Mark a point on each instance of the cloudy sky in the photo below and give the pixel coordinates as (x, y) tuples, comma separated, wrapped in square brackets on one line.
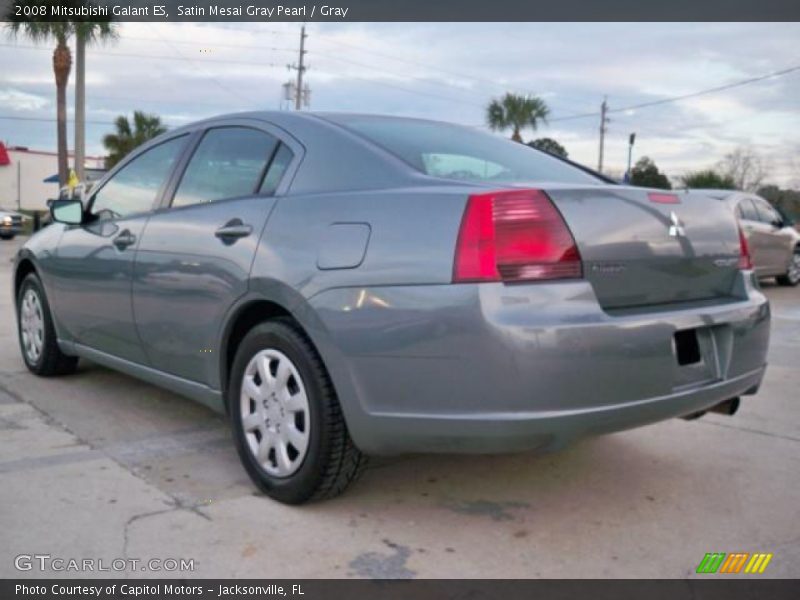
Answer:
[(447, 71)]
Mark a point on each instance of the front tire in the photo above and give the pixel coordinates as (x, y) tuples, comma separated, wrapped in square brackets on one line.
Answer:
[(287, 423), (37, 335), (792, 277)]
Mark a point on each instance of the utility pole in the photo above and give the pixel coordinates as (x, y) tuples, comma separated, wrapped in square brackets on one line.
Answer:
[(603, 122), (301, 95)]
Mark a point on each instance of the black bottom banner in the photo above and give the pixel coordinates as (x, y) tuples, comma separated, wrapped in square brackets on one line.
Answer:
[(472, 589)]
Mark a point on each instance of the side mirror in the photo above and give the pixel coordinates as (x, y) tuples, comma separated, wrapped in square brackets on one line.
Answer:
[(778, 222), (67, 211)]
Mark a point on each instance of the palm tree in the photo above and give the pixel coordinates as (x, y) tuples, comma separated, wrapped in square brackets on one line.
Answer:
[(516, 112), (39, 29), (119, 144), (59, 32), (86, 32)]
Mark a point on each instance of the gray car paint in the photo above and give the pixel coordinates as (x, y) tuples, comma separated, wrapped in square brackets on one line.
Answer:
[(772, 245), (358, 247)]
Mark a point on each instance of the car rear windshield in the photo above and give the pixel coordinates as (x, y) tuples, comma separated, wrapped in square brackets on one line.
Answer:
[(457, 152)]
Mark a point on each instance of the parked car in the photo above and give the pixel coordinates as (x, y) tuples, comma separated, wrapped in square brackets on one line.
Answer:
[(774, 242), (10, 224), (348, 285)]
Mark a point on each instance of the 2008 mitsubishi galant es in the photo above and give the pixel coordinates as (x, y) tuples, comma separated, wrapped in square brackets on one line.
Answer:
[(346, 285)]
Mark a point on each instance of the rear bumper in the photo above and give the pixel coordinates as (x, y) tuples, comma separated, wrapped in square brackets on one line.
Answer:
[(507, 432), (492, 368)]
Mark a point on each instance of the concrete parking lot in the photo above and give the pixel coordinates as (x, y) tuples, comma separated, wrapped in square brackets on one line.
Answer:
[(99, 465)]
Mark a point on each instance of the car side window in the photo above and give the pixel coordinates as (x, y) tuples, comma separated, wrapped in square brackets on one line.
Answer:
[(766, 213), (747, 210), (134, 188), (277, 168), (229, 162)]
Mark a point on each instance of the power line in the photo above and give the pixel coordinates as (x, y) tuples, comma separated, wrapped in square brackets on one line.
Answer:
[(713, 90), (408, 90), (345, 60), (180, 56), (51, 120), (425, 65), (444, 84), (670, 99), (184, 58), (210, 44), (216, 81)]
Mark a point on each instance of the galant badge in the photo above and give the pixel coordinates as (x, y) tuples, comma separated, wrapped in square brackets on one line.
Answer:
[(677, 227)]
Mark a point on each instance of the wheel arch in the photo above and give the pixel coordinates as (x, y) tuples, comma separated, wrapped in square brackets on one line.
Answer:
[(268, 299), (25, 266), (243, 319)]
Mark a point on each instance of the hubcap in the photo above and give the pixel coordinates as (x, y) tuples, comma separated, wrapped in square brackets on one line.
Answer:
[(275, 416), (794, 268), (32, 325)]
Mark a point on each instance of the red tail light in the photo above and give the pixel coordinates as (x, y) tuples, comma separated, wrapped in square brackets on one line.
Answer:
[(514, 235), (745, 262), (663, 198)]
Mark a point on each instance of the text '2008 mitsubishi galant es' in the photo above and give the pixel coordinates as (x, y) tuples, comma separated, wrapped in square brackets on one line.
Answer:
[(347, 285)]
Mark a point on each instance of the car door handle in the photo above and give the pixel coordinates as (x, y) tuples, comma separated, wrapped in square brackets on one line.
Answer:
[(124, 239), (233, 230)]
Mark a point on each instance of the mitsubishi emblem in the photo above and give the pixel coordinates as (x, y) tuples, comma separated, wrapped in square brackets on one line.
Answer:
[(676, 229)]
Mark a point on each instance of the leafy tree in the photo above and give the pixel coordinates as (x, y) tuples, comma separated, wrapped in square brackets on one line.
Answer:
[(708, 179), (59, 32), (549, 145), (516, 112), (126, 138), (40, 30), (645, 173)]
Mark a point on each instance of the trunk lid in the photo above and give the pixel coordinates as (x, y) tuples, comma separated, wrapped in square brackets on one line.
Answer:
[(639, 252)]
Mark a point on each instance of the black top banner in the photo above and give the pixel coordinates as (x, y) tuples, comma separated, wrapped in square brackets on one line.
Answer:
[(403, 10)]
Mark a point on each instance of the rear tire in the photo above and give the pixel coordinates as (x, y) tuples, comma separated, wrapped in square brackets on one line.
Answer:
[(792, 277), (288, 426), (37, 335)]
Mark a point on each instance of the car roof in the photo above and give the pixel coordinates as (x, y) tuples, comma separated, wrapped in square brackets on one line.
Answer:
[(718, 194)]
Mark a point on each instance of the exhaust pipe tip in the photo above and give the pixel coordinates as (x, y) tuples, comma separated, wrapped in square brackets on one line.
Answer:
[(728, 407), (693, 416)]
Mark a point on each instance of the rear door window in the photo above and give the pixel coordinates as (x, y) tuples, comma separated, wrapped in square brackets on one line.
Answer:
[(229, 162), (766, 213), (276, 170), (747, 210)]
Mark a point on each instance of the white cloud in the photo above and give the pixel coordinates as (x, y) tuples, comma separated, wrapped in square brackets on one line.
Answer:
[(21, 101), (448, 71)]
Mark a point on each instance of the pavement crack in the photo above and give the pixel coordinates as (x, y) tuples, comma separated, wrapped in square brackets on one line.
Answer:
[(174, 505), (134, 519)]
